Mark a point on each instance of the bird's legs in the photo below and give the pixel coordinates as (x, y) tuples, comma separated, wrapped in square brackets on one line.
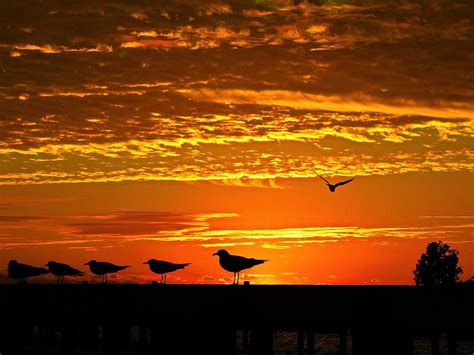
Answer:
[(162, 277), (165, 278), (106, 278), (238, 277), (233, 281)]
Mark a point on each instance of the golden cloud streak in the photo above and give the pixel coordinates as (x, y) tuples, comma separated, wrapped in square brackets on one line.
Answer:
[(307, 101)]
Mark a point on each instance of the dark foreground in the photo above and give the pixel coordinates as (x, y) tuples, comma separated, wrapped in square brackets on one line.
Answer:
[(190, 319)]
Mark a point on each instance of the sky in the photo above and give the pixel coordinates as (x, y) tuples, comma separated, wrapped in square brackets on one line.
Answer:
[(172, 129)]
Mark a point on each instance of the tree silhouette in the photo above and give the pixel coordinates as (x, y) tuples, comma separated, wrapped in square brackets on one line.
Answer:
[(437, 266)]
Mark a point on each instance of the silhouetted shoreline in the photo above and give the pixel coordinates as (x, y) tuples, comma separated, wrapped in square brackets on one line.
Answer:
[(185, 318)]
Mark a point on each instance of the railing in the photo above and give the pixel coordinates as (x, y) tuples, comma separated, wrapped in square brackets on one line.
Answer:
[(188, 319)]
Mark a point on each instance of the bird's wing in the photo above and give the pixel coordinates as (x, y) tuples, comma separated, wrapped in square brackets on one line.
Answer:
[(343, 182), (109, 267), (31, 270), (244, 263), (72, 271), (257, 261), (327, 182)]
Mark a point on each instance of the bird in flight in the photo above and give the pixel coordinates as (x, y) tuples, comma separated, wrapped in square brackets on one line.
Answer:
[(235, 263), (21, 271), (103, 268), (332, 187), (61, 270), (164, 267)]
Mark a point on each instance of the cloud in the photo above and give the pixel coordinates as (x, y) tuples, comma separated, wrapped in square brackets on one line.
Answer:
[(367, 87), (308, 101)]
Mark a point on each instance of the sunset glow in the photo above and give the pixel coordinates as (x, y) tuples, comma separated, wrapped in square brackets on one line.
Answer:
[(131, 131)]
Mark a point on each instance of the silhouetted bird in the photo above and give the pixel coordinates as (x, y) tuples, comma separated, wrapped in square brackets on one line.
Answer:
[(163, 267), (235, 263), (103, 268), (21, 271), (61, 270), (332, 187)]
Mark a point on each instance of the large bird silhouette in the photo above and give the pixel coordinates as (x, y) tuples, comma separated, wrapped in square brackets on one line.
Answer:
[(21, 271), (236, 263), (163, 267), (332, 187), (60, 270), (103, 268)]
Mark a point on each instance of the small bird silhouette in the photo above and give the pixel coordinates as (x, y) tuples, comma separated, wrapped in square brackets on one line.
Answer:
[(103, 268), (21, 271), (61, 270), (235, 263), (332, 187), (164, 267)]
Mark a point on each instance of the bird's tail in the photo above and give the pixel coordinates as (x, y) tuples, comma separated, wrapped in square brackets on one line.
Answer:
[(123, 267), (182, 266)]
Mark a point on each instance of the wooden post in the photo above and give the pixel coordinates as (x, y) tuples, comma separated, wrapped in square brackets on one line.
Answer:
[(310, 343), (452, 346), (300, 342), (343, 342), (435, 343), (245, 338), (262, 342)]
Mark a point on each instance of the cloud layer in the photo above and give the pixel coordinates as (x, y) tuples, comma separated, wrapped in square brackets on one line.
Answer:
[(220, 90)]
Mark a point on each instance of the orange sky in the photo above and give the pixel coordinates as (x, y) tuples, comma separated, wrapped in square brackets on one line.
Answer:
[(168, 131)]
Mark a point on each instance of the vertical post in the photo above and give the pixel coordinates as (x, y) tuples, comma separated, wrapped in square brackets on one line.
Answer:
[(452, 346), (310, 343), (115, 335), (300, 342), (343, 342), (262, 342), (435, 344), (245, 338)]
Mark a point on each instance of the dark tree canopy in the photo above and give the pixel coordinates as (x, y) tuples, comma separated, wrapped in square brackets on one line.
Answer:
[(438, 266)]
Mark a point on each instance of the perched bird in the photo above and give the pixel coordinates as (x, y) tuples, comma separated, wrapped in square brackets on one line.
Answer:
[(103, 268), (332, 187), (61, 270), (163, 267), (235, 263), (21, 271)]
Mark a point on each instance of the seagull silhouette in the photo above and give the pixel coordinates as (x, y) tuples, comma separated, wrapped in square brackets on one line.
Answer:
[(103, 268), (235, 263), (332, 187), (61, 270), (163, 267), (21, 271)]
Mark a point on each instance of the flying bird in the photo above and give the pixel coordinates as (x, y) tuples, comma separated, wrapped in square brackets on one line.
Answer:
[(61, 270), (103, 268), (332, 187), (164, 267), (235, 263), (21, 271)]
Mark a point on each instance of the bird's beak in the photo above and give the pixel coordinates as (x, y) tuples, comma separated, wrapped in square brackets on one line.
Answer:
[(146, 262), (46, 264), (215, 254), (86, 263)]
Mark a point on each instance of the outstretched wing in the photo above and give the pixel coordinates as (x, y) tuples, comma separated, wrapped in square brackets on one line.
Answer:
[(343, 182), (327, 182)]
